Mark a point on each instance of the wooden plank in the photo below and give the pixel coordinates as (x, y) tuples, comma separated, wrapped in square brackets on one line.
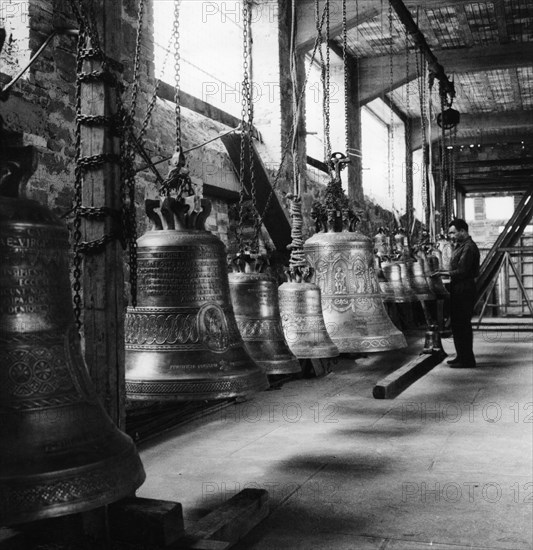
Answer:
[(103, 272), (146, 521), (229, 522), (394, 384)]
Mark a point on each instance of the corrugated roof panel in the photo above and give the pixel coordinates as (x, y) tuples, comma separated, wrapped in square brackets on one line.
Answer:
[(482, 22), (445, 25), (519, 15), (525, 83), (475, 97), (502, 88)]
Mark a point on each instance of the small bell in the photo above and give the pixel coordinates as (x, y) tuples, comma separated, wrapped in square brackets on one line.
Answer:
[(255, 302)]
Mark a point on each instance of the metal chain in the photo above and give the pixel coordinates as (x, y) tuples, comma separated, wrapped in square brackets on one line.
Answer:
[(153, 100), (277, 177), (78, 182), (346, 80), (246, 122), (443, 182), (176, 34), (420, 71), (408, 142), (327, 92), (391, 131), (137, 59)]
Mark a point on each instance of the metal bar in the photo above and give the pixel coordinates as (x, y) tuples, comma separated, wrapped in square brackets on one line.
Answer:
[(14, 80), (412, 28)]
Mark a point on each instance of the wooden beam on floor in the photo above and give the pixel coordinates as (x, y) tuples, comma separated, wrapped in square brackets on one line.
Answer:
[(394, 384), (228, 523)]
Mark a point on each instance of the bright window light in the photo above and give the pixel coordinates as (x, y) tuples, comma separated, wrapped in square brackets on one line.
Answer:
[(499, 208)]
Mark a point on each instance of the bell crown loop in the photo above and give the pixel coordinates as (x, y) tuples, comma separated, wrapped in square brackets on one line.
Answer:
[(174, 214)]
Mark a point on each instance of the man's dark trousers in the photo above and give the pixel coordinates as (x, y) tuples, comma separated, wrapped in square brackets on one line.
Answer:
[(461, 311)]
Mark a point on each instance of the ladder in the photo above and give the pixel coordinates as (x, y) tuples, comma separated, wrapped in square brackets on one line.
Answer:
[(508, 238)]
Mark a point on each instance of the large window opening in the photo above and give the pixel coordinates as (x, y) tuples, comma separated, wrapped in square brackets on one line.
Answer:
[(210, 46)]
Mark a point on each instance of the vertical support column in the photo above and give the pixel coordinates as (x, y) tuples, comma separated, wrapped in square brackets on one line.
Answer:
[(355, 169), (103, 272), (460, 200)]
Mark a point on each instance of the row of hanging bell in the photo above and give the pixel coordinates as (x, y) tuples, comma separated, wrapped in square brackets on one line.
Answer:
[(343, 268), (254, 296), (182, 341), (61, 453)]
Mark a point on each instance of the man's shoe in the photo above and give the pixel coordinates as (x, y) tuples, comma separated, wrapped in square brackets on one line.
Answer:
[(453, 361), (460, 365)]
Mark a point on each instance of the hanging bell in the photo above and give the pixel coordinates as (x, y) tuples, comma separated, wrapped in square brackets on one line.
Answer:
[(182, 341), (61, 453), (255, 302), (401, 290), (386, 289), (431, 267), (382, 245), (415, 272), (303, 321), (445, 247), (354, 313), (401, 245)]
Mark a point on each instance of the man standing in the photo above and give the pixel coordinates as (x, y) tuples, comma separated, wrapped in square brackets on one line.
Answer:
[(464, 268)]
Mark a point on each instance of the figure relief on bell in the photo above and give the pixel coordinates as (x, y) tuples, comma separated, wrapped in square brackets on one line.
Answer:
[(360, 277), (214, 328), (340, 280)]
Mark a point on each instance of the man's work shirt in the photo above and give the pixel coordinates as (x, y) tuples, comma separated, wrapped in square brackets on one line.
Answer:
[(464, 267)]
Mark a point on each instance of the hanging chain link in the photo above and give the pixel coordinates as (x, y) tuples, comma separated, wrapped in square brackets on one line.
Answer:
[(445, 206), (78, 182), (346, 71), (421, 76), (391, 130), (246, 135), (176, 34), (408, 143), (327, 93)]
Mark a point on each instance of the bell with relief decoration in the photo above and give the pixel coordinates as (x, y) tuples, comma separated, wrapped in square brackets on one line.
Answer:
[(299, 300), (182, 341), (60, 451), (445, 248), (254, 296), (343, 268)]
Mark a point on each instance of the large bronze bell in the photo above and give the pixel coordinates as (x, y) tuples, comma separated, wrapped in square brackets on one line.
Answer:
[(354, 313), (182, 341), (255, 302), (60, 452)]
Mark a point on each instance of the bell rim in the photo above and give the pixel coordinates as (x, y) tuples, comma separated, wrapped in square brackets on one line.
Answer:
[(127, 465)]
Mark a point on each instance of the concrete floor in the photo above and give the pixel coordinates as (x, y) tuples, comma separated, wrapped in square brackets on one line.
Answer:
[(445, 465)]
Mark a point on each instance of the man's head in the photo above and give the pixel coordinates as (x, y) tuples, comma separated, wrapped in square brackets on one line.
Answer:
[(458, 230)]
